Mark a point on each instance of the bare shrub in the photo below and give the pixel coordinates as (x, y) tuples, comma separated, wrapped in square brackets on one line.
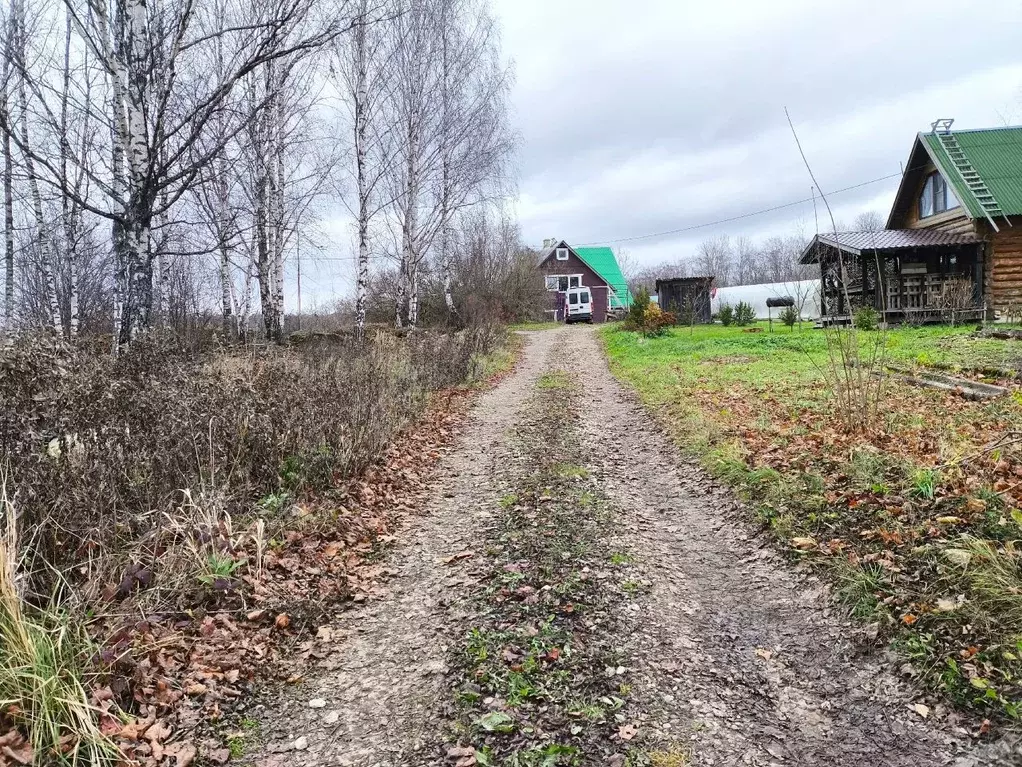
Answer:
[(956, 295), (102, 449)]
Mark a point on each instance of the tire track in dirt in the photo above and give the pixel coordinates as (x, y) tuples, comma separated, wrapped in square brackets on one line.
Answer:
[(375, 700), (737, 656), (736, 652)]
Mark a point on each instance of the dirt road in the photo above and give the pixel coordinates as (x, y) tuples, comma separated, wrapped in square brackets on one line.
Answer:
[(727, 655)]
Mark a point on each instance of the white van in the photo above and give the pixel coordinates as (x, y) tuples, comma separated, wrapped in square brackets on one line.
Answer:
[(578, 303)]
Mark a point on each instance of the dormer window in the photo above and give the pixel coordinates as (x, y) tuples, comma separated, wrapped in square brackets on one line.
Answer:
[(562, 254), (936, 196)]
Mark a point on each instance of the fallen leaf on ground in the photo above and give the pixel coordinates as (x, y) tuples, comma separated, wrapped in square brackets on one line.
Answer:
[(627, 731), (921, 709), (20, 755), (184, 752)]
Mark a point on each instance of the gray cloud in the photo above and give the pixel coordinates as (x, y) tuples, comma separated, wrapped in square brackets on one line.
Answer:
[(652, 116)]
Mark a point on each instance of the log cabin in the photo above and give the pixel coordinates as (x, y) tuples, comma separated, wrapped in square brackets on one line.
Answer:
[(952, 245)]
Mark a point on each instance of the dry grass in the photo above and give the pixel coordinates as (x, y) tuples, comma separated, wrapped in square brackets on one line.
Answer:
[(994, 575), (157, 479), (104, 450), (43, 655)]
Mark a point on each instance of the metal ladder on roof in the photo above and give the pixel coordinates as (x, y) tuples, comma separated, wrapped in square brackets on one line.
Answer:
[(968, 174)]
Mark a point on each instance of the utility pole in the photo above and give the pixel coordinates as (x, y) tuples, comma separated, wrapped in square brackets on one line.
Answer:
[(298, 256)]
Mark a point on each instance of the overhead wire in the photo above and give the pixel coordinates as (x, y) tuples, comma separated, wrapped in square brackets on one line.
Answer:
[(738, 217)]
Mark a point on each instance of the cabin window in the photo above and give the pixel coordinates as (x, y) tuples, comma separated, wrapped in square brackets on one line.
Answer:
[(559, 282), (562, 254), (575, 281), (936, 196)]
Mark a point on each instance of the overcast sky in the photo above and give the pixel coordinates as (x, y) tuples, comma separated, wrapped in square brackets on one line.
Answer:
[(646, 116)]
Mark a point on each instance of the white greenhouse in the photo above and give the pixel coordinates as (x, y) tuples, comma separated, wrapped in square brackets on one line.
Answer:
[(805, 292)]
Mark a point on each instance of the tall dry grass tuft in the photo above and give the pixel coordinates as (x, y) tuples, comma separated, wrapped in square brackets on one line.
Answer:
[(43, 657), (994, 575)]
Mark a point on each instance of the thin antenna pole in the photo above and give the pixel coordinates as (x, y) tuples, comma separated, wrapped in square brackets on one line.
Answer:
[(816, 216), (298, 248)]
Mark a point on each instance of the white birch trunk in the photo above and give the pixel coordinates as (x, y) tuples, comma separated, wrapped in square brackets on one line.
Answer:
[(277, 198), (71, 217), (245, 310), (8, 235), (137, 208), (42, 234), (361, 107), (43, 240), (409, 230), (413, 297), (226, 292), (445, 266), (8, 315)]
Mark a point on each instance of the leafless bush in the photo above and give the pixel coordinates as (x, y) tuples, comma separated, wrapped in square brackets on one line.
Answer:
[(956, 295), (104, 450)]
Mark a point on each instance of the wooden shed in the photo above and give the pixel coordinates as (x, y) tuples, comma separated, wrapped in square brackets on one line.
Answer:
[(687, 298)]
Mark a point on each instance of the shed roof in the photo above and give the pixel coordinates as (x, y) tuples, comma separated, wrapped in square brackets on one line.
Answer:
[(685, 279), (602, 261), (856, 243), (995, 154)]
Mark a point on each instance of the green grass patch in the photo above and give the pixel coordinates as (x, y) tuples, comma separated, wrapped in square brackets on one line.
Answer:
[(533, 326), (532, 663), (557, 379), (889, 511)]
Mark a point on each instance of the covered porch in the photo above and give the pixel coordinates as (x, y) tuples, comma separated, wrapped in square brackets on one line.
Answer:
[(906, 275)]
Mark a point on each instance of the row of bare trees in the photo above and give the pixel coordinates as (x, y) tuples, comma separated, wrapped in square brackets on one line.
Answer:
[(162, 157), (740, 261), (428, 99)]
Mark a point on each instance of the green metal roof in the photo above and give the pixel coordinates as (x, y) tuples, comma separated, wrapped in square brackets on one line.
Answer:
[(603, 262), (996, 155)]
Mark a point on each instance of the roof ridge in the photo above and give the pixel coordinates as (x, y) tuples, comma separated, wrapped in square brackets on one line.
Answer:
[(972, 130)]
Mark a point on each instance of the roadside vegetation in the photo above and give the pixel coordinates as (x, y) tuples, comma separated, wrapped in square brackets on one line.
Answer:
[(916, 513), (171, 520)]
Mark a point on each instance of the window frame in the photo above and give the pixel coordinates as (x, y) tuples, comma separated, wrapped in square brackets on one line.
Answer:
[(568, 285), (561, 254), (940, 194)]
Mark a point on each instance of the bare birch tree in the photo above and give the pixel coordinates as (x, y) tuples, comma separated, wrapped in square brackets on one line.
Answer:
[(161, 93), (450, 94), (363, 61)]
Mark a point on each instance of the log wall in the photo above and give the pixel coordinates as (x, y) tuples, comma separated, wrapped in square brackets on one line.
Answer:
[(1004, 272)]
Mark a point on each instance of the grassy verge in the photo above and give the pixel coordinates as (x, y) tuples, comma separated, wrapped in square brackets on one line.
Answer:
[(915, 516), (540, 678)]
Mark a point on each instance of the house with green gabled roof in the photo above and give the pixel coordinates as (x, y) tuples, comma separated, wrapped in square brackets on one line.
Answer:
[(565, 268), (952, 246)]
